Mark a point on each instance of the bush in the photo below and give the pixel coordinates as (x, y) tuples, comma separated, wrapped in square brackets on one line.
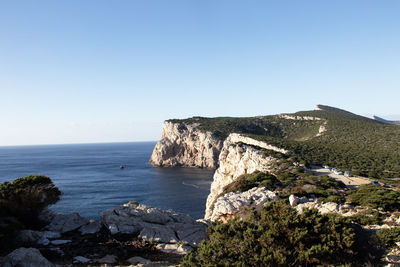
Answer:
[(255, 179), (277, 236), (375, 196), (371, 217), (26, 197), (389, 236)]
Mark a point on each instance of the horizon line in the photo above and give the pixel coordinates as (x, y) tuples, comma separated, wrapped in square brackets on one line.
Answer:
[(84, 143)]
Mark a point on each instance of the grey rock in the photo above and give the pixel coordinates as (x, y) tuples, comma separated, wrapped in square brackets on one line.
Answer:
[(91, 228), (235, 204), (113, 228), (153, 224), (204, 221), (191, 234), (174, 248), (107, 259), (81, 259), (293, 200), (156, 216), (60, 242), (47, 215), (26, 257), (66, 222), (158, 233), (36, 237), (138, 260)]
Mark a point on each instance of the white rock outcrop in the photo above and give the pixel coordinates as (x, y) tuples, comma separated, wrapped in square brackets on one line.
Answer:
[(298, 118), (154, 225), (239, 156), (328, 208), (234, 204), (185, 145)]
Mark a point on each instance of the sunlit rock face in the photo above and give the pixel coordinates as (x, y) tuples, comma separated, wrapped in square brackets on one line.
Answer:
[(237, 204), (185, 145), (239, 155)]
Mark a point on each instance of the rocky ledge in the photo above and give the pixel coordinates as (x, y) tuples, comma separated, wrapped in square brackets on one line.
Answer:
[(130, 235)]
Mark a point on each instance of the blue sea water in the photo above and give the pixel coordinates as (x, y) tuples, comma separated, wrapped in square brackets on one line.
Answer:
[(91, 180)]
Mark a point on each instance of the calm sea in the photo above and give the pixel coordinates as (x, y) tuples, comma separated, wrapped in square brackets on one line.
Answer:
[(91, 180)]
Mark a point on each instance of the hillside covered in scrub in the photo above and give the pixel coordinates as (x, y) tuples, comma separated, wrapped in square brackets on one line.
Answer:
[(324, 136)]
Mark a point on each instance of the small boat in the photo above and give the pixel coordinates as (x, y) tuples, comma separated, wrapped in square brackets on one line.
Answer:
[(121, 167)]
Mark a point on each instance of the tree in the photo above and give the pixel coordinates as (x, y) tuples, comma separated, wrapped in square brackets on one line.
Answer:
[(26, 197)]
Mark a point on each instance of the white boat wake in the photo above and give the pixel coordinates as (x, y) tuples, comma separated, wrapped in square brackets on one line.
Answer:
[(190, 185)]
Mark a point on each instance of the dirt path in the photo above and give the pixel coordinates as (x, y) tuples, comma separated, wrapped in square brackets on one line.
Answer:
[(348, 181)]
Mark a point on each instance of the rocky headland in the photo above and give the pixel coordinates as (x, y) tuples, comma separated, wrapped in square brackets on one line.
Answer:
[(182, 144), (257, 161), (237, 155)]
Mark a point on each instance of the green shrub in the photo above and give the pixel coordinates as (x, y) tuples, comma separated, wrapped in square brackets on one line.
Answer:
[(371, 217), (26, 197), (389, 236), (277, 236), (255, 179), (333, 198), (376, 197)]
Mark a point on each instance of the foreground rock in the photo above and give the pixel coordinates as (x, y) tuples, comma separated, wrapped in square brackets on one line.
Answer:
[(184, 145), (29, 237), (240, 155), (154, 225), (26, 257), (66, 222), (236, 204), (129, 233)]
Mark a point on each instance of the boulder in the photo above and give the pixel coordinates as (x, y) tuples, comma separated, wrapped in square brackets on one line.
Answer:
[(138, 260), (66, 222), (190, 234), (91, 228), (174, 248), (159, 234), (329, 207), (36, 237), (60, 242), (153, 224), (107, 259), (293, 200), (26, 257), (81, 259)]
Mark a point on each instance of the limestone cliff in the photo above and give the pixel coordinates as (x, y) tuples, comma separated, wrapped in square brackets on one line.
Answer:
[(240, 155), (184, 144)]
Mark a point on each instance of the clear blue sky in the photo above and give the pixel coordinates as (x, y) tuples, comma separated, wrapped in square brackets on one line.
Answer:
[(107, 71)]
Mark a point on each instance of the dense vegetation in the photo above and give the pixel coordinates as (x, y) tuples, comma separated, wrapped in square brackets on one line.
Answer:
[(278, 236), (375, 196), (363, 146), (389, 236), (26, 197), (290, 181)]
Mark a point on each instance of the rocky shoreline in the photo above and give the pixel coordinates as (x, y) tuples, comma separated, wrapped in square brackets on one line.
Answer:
[(130, 235)]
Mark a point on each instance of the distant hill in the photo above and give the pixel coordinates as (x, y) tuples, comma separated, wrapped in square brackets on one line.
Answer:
[(385, 121), (326, 135)]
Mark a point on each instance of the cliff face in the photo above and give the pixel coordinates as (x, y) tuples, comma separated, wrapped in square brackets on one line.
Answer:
[(238, 156), (184, 145)]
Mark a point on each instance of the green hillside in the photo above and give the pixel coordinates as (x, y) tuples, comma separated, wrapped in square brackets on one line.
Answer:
[(350, 142)]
